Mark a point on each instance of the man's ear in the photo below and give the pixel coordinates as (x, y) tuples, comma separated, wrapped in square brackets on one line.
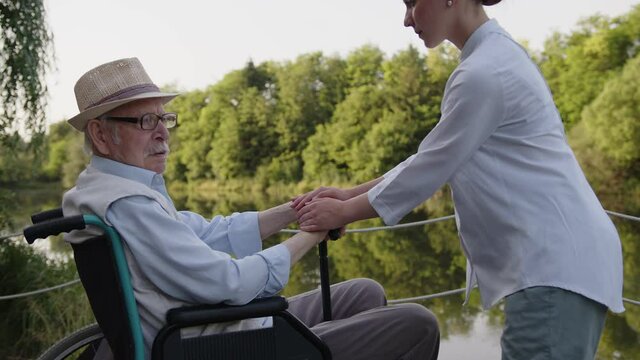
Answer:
[(99, 136)]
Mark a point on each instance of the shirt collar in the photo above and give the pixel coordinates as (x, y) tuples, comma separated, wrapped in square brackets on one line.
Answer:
[(478, 36), (134, 173)]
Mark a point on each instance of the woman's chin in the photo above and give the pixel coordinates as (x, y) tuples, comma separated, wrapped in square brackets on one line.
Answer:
[(430, 43)]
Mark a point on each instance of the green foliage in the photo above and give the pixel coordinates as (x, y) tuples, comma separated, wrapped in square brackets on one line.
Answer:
[(613, 118), (230, 126), (410, 113), (364, 66), (441, 62), (62, 159), (186, 161), (17, 164), (77, 160), (333, 150), (321, 117), (379, 123), (256, 121), (66, 158), (578, 65), (246, 137), (605, 179), (29, 325), (283, 168), (6, 199), (25, 58), (308, 90)]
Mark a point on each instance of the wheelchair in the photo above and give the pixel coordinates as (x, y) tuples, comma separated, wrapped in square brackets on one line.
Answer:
[(104, 274)]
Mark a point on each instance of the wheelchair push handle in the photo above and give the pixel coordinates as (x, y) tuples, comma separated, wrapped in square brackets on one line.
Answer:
[(46, 215), (53, 227)]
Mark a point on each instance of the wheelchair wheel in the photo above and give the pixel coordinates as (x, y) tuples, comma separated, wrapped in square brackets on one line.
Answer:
[(80, 344)]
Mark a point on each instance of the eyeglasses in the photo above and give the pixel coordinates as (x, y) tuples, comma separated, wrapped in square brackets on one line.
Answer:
[(148, 121)]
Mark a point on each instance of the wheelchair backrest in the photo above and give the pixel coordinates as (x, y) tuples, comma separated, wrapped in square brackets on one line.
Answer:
[(99, 275), (104, 273)]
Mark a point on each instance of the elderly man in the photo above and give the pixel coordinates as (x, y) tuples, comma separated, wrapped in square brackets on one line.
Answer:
[(178, 258)]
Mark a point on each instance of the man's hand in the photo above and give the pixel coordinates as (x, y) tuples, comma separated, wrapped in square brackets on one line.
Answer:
[(321, 192), (302, 242), (321, 214), (275, 219)]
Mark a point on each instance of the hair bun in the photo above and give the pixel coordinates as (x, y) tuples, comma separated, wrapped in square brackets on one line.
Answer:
[(490, 2)]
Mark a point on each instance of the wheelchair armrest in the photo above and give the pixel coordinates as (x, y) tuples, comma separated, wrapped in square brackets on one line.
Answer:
[(206, 314)]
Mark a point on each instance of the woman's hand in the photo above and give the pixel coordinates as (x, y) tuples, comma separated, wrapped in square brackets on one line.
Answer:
[(321, 192), (320, 214)]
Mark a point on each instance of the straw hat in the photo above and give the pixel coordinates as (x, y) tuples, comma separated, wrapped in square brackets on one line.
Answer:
[(110, 85)]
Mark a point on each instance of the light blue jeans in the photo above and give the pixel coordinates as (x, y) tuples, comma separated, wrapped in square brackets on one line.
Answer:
[(544, 323)]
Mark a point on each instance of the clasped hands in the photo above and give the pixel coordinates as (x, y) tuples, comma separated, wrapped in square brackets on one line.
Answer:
[(321, 209)]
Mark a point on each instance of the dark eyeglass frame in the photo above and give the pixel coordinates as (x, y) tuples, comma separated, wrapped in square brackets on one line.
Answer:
[(156, 118)]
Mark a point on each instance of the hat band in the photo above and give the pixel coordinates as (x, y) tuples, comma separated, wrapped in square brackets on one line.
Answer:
[(126, 93)]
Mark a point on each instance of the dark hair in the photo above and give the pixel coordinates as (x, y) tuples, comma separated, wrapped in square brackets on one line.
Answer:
[(489, 2)]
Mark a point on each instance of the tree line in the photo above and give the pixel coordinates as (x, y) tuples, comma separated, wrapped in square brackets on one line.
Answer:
[(344, 120)]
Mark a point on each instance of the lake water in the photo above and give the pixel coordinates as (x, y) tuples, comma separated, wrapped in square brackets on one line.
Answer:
[(408, 262)]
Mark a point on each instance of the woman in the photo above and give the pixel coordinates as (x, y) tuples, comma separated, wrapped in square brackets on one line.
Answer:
[(530, 225)]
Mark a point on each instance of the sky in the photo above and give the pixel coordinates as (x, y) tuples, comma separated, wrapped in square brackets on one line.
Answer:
[(193, 43)]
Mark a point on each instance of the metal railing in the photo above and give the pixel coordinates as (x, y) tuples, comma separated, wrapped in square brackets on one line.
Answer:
[(370, 229)]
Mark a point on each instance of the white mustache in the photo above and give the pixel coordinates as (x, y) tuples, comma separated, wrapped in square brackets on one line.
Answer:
[(159, 148)]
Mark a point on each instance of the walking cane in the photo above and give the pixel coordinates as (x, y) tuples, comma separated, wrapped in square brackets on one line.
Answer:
[(324, 275)]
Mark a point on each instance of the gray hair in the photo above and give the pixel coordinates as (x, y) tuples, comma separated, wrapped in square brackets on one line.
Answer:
[(113, 129)]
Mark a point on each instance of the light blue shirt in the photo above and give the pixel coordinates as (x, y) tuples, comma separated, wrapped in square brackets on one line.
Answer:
[(191, 259), (177, 258), (525, 212)]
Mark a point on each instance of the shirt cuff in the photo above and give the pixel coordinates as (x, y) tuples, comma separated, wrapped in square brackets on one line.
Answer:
[(244, 234), (384, 211), (278, 261)]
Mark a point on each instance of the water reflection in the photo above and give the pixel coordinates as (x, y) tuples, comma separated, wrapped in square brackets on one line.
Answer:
[(30, 199)]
